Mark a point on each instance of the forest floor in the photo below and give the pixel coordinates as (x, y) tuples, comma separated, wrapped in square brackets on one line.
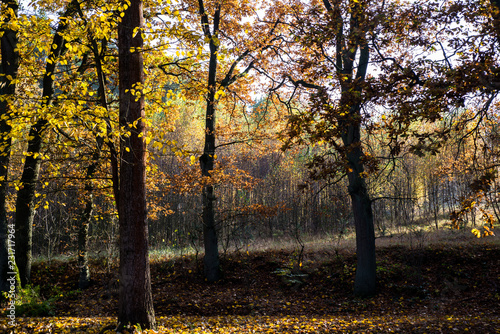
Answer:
[(434, 288)]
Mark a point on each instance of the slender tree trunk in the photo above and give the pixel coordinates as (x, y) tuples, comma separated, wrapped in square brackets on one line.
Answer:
[(348, 45), (211, 259), (84, 280), (25, 202), (10, 65), (365, 279), (83, 231), (136, 301), (83, 241)]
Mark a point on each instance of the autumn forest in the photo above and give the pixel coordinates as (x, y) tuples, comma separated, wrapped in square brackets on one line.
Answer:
[(213, 166)]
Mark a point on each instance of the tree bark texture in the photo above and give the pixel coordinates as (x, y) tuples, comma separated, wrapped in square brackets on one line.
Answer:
[(365, 279), (25, 202), (211, 259), (135, 301), (10, 65), (351, 78)]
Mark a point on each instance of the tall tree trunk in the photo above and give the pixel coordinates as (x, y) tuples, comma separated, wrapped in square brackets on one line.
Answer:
[(136, 301), (365, 279), (348, 45), (83, 233), (25, 202), (10, 65), (211, 259)]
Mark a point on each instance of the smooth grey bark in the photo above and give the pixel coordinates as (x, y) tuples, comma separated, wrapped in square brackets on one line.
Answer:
[(9, 68), (135, 301), (25, 202)]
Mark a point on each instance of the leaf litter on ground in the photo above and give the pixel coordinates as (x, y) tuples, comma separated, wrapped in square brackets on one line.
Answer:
[(434, 289)]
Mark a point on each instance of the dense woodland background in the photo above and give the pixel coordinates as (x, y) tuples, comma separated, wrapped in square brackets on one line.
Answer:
[(263, 120), (262, 189)]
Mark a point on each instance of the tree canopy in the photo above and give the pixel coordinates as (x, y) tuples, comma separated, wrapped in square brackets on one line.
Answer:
[(211, 124)]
